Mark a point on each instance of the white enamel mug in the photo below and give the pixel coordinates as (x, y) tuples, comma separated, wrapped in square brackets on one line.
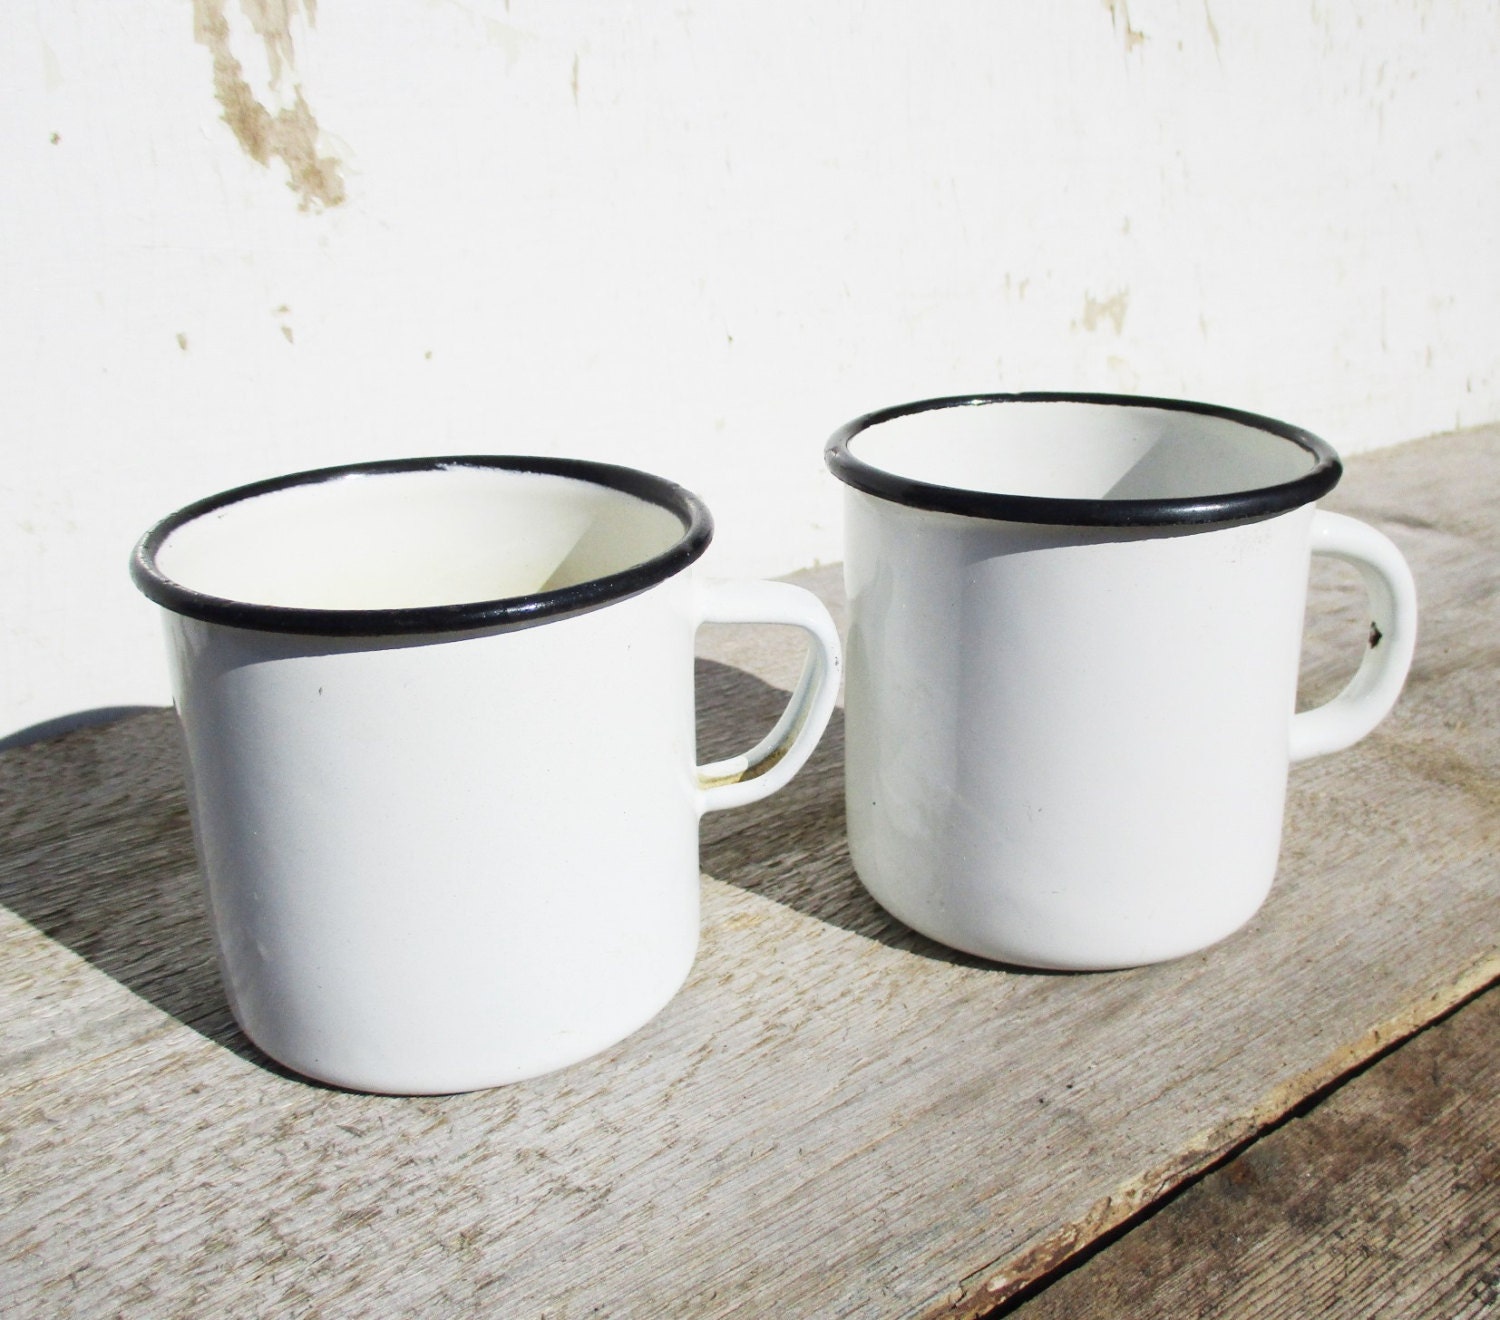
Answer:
[(1075, 625), (439, 728)]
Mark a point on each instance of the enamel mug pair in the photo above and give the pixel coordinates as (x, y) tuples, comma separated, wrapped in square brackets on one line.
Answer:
[(1075, 625), (439, 731), (439, 727)]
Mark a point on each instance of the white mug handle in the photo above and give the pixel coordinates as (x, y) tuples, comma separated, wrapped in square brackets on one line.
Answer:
[(1370, 694), (778, 756)]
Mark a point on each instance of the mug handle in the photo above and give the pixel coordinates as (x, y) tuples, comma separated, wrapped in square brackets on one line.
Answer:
[(771, 763), (1370, 694)]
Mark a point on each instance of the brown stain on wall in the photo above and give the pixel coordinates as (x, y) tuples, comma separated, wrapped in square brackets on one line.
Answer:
[(1213, 31), (1119, 18), (291, 134)]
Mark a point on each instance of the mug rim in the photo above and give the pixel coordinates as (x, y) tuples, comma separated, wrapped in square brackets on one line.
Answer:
[(464, 616), (1078, 512)]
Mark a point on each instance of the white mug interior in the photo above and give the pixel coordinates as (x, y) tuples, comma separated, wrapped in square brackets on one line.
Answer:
[(1058, 449), (389, 540)]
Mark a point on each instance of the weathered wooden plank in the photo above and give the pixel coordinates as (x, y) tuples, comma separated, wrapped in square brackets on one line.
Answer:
[(835, 1117), (1384, 1200)]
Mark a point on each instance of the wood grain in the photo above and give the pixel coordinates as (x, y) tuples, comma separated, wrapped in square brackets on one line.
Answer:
[(835, 1116), (1382, 1201)]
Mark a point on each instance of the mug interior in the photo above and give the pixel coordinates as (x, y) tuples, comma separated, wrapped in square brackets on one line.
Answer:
[(1081, 451), (1090, 459), (403, 540)]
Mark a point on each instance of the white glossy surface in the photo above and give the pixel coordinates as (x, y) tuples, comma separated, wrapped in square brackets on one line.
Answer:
[(1068, 747), (442, 863), (1372, 692), (772, 762)]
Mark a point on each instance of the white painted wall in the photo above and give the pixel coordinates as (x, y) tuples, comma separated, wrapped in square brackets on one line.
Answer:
[(695, 237)]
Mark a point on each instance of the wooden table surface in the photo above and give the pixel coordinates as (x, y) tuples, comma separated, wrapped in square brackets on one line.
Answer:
[(835, 1117)]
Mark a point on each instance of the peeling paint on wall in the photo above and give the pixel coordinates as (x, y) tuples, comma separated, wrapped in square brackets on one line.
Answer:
[(291, 134), (272, 21), (1098, 310)]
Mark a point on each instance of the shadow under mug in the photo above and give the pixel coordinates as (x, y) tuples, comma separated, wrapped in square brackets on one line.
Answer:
[(439, 732), (1075, 628)]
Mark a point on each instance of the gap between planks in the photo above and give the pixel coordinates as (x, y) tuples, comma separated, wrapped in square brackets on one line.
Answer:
[(987, 1291)]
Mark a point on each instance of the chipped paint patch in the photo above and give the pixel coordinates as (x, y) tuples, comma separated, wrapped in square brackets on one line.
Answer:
[(272, 21), (291, 133), (1098, 310)]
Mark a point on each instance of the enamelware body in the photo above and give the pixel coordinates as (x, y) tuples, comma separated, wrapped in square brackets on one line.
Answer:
[(1070, 692), (449, 836)]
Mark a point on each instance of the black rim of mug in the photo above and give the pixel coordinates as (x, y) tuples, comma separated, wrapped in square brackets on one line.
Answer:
[(1230, 506), (468, 616)]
